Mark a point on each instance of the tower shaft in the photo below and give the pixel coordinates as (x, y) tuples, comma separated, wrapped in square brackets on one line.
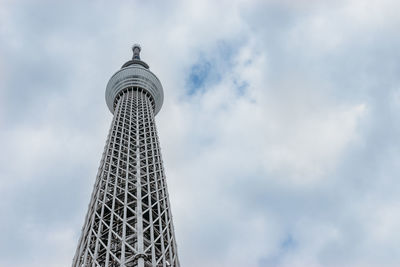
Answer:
[(129, 220)]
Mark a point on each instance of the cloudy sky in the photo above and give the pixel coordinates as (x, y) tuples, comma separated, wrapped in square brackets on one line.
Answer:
[(279, 131)]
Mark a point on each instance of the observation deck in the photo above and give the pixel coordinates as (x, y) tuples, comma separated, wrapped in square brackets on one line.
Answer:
[(133, 75)]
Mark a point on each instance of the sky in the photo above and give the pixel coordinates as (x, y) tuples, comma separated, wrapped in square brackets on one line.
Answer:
[(279, 130)]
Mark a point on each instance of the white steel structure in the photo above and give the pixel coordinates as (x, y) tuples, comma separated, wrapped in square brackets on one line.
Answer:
[(129, 220)]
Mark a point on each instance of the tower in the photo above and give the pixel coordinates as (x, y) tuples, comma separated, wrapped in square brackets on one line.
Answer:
[(129, 220)]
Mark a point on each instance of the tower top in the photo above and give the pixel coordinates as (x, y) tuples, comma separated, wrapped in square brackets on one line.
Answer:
[(135, 74), (136, 51)]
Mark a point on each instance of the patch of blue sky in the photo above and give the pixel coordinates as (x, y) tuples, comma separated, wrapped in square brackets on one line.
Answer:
[(226, 50), (241, 87), (209, 69), (202, 74), (288, 244)]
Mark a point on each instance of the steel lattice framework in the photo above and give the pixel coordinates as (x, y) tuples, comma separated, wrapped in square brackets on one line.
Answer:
[(129, 220)]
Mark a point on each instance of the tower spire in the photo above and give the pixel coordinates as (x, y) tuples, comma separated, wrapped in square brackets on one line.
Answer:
[(136, 51), (135, 58)]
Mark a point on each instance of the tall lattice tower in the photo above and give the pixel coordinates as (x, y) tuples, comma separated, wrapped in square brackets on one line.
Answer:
[(129, 220)]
